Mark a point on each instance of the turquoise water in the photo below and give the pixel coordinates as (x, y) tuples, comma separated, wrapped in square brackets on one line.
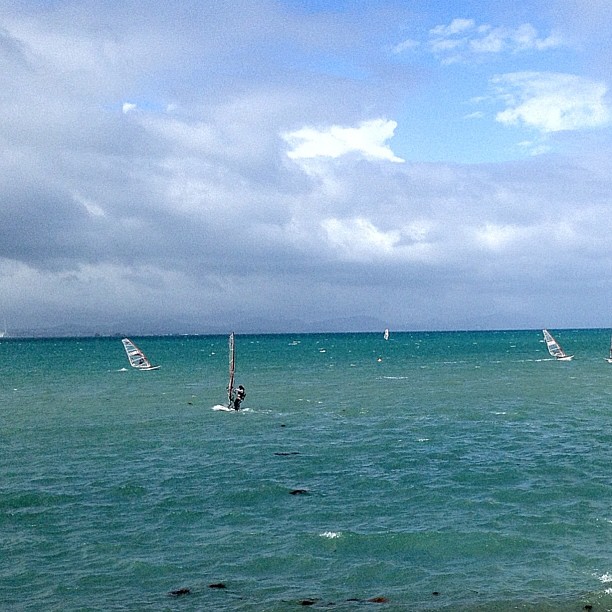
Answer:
[(437, 471)]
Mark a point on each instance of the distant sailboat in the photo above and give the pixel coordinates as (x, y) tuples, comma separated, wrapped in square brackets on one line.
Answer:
[(554, 348), (386, 334), (136, 357), (609, 359), (235, 395)]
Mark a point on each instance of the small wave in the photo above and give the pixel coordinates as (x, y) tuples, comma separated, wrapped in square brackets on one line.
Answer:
[(330, 534)]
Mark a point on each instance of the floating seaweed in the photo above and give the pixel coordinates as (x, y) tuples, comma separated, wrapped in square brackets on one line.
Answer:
[(371, 600)]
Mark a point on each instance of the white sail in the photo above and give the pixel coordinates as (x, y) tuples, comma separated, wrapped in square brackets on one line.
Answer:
[(609, 358), (232, 369), (386, 334), (554, 348), (136, 357)]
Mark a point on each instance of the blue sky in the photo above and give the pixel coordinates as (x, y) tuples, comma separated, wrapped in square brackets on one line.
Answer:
[(286, 166)]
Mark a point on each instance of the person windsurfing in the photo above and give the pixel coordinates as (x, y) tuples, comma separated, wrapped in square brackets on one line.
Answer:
[(237, 397)]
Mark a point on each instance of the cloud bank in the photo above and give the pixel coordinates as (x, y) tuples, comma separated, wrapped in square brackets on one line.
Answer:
[(262, 168)]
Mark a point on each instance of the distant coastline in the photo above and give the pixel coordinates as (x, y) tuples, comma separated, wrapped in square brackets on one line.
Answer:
[(76, 332)]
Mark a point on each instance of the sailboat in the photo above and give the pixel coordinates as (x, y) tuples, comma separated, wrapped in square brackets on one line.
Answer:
[(386, 334), (229, 407), (232, 371), (609, 359), (137, 358), (554, 348)]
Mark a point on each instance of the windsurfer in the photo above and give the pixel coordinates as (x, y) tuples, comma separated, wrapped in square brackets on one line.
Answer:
[(238, 397)]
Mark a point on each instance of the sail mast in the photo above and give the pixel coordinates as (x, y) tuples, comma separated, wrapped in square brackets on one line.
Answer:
[(232, 368)]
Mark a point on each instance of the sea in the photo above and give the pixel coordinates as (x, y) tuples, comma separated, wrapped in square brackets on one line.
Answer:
[(463, 471)]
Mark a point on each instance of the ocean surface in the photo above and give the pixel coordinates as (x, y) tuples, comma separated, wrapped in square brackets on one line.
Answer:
[(461, 471)]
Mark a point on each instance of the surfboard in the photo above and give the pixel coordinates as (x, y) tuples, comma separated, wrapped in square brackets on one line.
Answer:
[(221, 408)]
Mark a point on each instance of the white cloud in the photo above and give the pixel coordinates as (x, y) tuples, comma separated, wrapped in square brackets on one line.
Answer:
[(368, 140), (128, 107), (456, 26), (535, 148), (405, 45), (525, 37), (497, 237), (359, 239), (89, 205), (462, 39), (552, 102)]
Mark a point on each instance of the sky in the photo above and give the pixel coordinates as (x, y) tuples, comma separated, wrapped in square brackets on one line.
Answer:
[(295, 165)]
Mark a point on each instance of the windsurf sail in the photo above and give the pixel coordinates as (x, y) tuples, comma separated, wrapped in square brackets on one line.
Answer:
[(232, 370), (136, 357), (554, 348)]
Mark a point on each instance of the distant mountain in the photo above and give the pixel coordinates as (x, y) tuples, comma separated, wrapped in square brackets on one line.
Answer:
[(254, 325)]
